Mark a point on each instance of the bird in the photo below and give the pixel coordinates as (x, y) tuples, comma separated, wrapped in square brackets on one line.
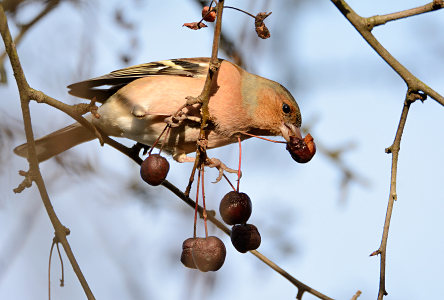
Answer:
[(137, 103)]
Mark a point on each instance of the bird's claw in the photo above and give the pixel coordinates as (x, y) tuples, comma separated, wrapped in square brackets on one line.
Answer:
[(216, 163), (176, 119), (193, 100)]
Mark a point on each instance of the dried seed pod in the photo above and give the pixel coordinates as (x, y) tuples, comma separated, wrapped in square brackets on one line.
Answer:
[(195, 25), (235, 208), (245, 237), (301, 150), (208, 253), (262, 30), (154, 169)]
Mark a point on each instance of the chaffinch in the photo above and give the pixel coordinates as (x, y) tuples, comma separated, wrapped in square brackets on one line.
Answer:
[(138, 100)]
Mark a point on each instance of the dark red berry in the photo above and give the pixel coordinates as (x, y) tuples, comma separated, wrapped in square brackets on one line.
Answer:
[(209, 17), (186, 257), (245, 237), (301, 150), (235, 208), (154, 169), (208, 253)]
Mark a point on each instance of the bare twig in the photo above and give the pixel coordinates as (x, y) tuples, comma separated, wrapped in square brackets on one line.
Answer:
[(62, 280), (204, 96), (23, 29), (211, 216), (227, 45), (416, 89), (34, 172), (394, 150), (361, 25), (382, 19), (74, 111), (356, 296)]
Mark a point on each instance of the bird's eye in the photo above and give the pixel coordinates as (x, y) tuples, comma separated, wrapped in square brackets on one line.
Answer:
[(286, 108)]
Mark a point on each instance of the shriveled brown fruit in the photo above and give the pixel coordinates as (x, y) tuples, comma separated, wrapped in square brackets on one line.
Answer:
[(301, 150), (208, 253), (235, 208), (186, 257), (209, 16), (245, 237), (262, 30), (154, 169), (195, 25)]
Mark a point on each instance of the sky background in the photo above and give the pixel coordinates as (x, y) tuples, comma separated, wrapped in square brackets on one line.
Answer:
[(127, 236)]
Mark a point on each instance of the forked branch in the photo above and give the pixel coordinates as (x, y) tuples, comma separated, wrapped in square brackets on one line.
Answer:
[(362, 26), (34, 172)]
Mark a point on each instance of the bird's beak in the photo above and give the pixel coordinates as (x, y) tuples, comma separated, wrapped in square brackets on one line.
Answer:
[(288, 129)]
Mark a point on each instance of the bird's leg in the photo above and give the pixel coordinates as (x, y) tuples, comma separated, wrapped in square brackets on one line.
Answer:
[(179, 116), (216, 163), (210, 162), (94, 108)]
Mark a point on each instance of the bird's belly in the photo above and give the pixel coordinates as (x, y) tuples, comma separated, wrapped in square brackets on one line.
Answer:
[(117, 120)]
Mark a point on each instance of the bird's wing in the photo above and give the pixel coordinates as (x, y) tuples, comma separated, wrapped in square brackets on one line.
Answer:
[(186, 67)]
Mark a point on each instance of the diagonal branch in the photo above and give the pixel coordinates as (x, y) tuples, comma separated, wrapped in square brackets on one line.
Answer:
[(416, 89), (361, 25), (394, 150), (23, 29), (204, 96), (382, 19), (211, 217), (25, 95)]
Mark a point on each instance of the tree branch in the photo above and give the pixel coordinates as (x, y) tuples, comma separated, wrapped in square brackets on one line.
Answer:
[(394, 150), (415, 90), (382, 19), (362, 26), (211, 216), (23, 29), (204, 96), (34, 172)]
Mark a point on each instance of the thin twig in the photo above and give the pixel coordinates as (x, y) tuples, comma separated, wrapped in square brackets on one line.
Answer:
[(211, 217), (49, 269), (415, 90), (394, 150), (361, 25), (204, 96), (382, 19), (356, 295), (70, 110), (25, 27), (25, 95), (238, 9)]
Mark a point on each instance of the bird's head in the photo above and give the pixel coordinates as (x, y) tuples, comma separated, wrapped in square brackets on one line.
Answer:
[(275, 111)]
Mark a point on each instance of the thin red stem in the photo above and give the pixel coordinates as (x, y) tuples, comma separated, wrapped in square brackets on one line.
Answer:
[(240, 160), (238, 9), (262, 138), (203, 200), (229, 182), (157, 140), (197, 205), (165, 138)]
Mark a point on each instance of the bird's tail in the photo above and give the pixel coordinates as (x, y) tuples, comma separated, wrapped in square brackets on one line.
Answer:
[(57, 142)]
